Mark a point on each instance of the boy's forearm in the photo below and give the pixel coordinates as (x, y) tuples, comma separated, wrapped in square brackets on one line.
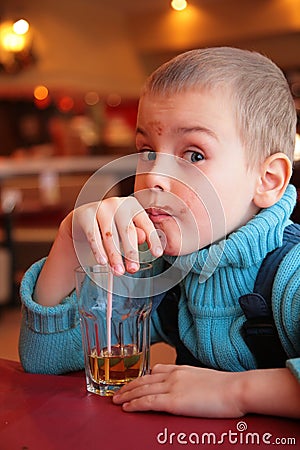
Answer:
[(57, 279), (271, 392)]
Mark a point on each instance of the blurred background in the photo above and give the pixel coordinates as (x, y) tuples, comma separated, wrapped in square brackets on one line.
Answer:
[(70, 77)]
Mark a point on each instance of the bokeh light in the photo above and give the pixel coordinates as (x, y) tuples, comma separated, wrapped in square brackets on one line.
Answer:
[(65, 103), (21, 27), (91, 98), (41, 92)]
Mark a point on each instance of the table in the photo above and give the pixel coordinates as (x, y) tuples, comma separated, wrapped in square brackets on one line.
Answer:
[(52, 412)]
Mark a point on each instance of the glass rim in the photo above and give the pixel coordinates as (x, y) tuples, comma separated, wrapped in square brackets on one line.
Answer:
[(99, 268)]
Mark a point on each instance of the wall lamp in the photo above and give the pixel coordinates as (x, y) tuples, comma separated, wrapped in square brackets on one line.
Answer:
[(15, 46)]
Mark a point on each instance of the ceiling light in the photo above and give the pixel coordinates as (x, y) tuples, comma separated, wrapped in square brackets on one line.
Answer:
[(179, 5)]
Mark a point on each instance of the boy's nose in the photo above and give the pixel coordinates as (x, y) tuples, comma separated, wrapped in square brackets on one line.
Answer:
[(158, 180), (160, 174)]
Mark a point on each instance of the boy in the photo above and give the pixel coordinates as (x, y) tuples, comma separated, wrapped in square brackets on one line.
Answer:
[(215, 137)]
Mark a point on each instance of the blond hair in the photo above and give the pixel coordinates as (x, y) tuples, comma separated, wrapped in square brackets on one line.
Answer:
[(261, 98)]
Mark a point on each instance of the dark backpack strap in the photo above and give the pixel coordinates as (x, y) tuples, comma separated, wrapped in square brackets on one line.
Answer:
[(271, 263), (259, 330)]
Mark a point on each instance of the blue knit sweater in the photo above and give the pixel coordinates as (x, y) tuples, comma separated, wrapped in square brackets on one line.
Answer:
[(210, 317)]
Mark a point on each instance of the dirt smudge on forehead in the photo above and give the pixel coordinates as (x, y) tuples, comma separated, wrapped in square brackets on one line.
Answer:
[(156, 127)]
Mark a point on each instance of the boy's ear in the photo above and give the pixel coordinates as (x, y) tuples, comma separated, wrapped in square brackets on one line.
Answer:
[(275, 174)]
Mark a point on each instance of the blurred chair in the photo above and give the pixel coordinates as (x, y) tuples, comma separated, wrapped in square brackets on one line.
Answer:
[(8, 287)]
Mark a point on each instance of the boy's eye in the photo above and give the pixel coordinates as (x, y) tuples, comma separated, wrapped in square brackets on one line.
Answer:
[(194, 156), (147, 155)]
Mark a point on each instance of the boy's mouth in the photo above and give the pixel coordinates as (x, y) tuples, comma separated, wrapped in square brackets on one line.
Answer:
[(157, 215)]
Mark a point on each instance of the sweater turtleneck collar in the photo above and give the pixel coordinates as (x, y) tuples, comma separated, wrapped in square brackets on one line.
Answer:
[(246, 246)]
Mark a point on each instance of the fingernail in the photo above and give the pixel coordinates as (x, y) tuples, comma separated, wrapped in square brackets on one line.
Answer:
[(158, 251), (119, 269), (132, 267), (101, 260)]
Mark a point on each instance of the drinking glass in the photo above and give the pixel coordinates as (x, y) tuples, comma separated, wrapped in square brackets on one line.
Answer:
[(115, 325)]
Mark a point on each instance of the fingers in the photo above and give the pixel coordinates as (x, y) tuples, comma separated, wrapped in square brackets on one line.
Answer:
[(145, 380), (143, 222), (141, 235), (143, 394), (128, 234), (134, 226), (113, 224), (122, 221), (156, 382), (85, 227), (165, 368), (110, 237), (159, 391), (153, 402), (129, 238)]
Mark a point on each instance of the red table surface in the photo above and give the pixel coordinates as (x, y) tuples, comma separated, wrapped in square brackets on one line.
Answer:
[(51, 412)]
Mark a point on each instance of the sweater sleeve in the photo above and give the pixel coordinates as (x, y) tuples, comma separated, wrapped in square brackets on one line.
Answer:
[(286, 307), (50, 337), (294, 366)]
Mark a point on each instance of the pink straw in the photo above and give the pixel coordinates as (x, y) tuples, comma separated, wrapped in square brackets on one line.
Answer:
[(108, 322), (109, 310)]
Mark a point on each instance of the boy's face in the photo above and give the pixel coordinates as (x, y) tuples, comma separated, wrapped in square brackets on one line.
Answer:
[(192, 175)]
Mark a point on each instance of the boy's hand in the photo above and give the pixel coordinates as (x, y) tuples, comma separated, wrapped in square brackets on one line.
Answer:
[(111, 225), (193, 391), (104, 227), (183, 390)]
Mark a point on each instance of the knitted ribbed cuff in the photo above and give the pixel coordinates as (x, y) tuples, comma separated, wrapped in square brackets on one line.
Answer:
[(46, 319), (294, 366)]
